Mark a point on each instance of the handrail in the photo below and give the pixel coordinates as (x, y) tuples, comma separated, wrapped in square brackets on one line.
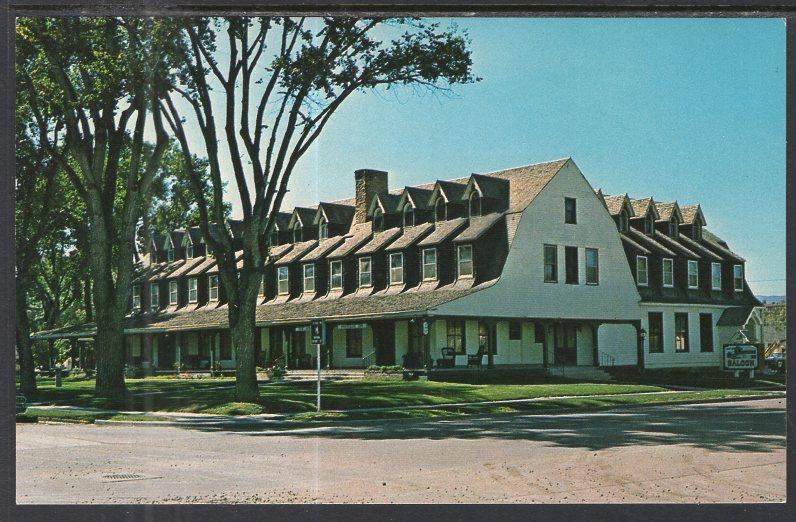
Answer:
[(365, 357)]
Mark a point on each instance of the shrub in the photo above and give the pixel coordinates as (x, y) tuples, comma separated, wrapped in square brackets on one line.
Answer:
[(133, 372), (384, 369)]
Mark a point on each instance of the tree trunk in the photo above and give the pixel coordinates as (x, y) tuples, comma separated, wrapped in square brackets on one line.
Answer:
[(27, 372), (242, 332), (87, 299), (109, 352)]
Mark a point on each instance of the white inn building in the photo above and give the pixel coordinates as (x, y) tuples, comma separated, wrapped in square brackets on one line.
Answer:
[(527, 267)]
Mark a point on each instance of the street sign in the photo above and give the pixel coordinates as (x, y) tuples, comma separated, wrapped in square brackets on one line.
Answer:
[(740, 357), (318, 331)]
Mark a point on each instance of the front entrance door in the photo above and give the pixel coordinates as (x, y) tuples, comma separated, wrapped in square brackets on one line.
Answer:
[(414, 354), (384, 342), (565, 339), (166, 352)]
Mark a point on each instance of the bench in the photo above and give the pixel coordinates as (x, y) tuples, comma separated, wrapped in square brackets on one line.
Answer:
[(475, 359)]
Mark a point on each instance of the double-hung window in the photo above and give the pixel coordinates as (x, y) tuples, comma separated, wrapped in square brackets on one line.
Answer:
[(364, 272), (592, 266), (715, 276), (282, 286), (261, 292), (212, 287), (336, 274), (154, 296), (465, 256), (136, 297), (655, 336), (642, 271), (323, 229), (429, 264), (189, 252), (455, 335), (706, 332), (571, 265), (550, 264), (668, 273), (172, 292), (396, 268), (693, 274), (570, 211), (170, 254), (309, 277), (737, 278), (193, 290), (681, 332)]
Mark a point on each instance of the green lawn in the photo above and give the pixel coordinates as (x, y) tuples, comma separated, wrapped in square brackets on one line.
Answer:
[(702, 379), (197, 396)]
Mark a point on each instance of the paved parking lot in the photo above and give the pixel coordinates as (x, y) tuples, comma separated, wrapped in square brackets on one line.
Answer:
[(728, 452)]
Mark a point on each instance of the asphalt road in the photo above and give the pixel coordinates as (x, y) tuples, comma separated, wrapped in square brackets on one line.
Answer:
[(728, 452)]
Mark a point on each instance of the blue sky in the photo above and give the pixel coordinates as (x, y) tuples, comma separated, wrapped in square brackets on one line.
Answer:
[(686, 110)]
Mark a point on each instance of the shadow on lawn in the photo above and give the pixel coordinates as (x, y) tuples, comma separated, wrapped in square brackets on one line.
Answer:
[(730, 428)]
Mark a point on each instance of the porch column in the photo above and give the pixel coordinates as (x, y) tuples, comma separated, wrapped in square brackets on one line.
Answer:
[(543, 326), (177, 351), (146, 341), (73, 352), (490, 346), (594, 328), (639, 345)]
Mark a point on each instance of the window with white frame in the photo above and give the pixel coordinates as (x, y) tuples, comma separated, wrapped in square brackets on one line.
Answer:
[(154, 296), (136, 297), (172, 292), (282, 280), (212, 287), (262, 284), (642, 271), (193, 290), (170, 254), (364, 272), (429, 264), (465, 257), (336, 274), (309, 277), (668, 272), (396, 268), (189, 251), (715, 276), (693, 274), (592, 266), (737, 278)]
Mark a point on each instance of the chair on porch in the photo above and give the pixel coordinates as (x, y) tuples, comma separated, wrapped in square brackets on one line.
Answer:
[(475, 360), (448, 359)]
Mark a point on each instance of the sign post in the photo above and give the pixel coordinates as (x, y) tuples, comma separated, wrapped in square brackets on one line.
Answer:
[(318, 335), (740, 357)]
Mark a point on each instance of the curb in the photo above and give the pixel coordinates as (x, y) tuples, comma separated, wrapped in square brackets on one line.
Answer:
[(330, 423)]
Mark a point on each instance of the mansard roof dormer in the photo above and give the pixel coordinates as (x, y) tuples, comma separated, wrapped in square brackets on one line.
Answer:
[(449, 191), (670, 217), (387, 203), (334, 213), (646, 210), (418, 197), (692, 214)]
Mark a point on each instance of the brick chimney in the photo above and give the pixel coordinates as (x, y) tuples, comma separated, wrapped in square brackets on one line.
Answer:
[(368, 183)]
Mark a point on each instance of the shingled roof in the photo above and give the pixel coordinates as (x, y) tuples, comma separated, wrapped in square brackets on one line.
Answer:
[(666, 210), (336, 213), (614, 204), (691, 213)]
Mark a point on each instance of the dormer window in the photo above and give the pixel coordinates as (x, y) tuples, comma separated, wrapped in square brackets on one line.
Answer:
[(323, 229), (309, 277), (136, 297), (282, 280), (189, 252), (475, 204), (674, 227), (364, 272), (273, 238), (170, 254), (696, 231), (439, 210), (396, 268), (649, 224), (336, 274), (465, 258), (297, 233), (193, 290), (212, 284), (378, 220), (408, 216), (173, 292), (623, 221), (154, 297)]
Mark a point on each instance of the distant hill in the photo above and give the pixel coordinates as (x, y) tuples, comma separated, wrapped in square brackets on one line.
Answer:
[(771, 299)]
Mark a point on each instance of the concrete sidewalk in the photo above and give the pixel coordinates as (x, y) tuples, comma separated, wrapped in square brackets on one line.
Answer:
[(277, 419)]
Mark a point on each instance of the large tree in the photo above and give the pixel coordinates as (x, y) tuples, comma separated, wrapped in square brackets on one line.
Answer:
[(102, 79), (267, 87)]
